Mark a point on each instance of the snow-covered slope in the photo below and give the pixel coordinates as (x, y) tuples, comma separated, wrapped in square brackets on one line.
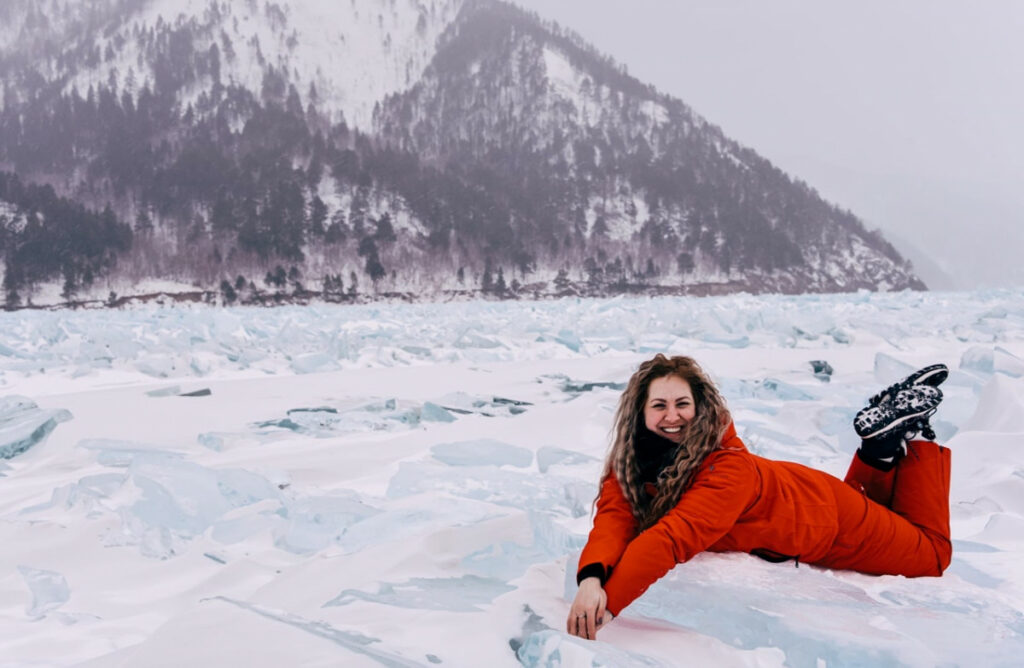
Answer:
[(410, 485), (492, 146), (344, 56), (597, 156)]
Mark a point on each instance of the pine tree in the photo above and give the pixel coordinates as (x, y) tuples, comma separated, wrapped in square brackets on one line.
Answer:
[(317, 216), (562, 281), (374, 267), (487, 280), (228, 292)]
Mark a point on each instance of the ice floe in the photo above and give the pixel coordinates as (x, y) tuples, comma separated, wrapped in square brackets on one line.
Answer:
[(411, 485)]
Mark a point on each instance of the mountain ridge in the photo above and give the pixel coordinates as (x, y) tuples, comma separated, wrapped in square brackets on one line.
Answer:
[(518, 157)]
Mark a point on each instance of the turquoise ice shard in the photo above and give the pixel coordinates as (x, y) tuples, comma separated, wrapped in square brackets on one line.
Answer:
[(23, 424)]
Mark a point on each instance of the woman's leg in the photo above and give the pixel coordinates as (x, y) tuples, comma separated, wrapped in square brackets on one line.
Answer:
[(894, 507), (921, 494), (874, 482), (895, 522)]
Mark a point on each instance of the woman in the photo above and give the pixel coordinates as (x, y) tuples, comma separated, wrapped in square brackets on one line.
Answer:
[(679, 481)]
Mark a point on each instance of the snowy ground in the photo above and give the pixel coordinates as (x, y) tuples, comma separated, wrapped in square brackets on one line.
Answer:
[(404, 485)]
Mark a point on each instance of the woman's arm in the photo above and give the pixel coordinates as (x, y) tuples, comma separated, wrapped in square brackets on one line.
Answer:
[(614, 527), (722, 490)]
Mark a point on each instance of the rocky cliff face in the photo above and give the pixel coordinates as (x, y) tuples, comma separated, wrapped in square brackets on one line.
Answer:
[(358, 148)]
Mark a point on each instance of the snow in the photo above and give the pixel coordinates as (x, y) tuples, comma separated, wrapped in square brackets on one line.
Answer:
[(566, 83), (410, 485), (355, 53), (49, 294), (10, 213)]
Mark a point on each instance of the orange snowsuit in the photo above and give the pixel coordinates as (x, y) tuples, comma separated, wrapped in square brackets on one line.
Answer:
[(894, 523)]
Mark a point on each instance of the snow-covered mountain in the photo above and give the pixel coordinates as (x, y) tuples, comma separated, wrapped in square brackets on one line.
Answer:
[(634, 172), (341, 56), (423, 147)]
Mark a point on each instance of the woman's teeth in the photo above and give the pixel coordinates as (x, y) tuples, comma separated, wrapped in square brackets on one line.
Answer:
[(671, 430)]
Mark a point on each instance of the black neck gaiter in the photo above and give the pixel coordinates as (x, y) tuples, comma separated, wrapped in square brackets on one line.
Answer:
[(653, 453)]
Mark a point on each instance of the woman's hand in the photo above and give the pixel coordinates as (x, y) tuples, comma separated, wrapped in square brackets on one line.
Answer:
[(588, 612)]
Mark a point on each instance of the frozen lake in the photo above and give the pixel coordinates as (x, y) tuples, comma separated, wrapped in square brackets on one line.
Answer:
[(403, 485)]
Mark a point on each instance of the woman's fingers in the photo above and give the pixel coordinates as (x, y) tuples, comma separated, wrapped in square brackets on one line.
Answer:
[(591, 623), (581, 625), (575, 625), (586, 613), (586, 624)]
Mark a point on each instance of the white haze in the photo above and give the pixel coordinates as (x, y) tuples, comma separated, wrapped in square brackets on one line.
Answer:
[(906, 113)]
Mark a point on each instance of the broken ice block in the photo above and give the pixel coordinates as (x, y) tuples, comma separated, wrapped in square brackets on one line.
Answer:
[(465, 404), (160, 366), (569, 339), (822, 370), (548, 456), (555, 648), (205, 392), (49, 590), (169, 391), (23, 424), (888, 369), (472, 339), (431, 412), (315, 522), (1003, 361), (313, 363), (464, 594), (978, 358), (482, 453)]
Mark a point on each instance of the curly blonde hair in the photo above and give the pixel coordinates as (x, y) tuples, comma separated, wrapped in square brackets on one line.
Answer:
[(701, 436)]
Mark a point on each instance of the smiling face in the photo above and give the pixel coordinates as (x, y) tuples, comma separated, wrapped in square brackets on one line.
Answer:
[(669, 406)]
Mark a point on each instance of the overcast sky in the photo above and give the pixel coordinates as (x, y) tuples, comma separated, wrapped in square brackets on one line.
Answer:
[(910, 113)]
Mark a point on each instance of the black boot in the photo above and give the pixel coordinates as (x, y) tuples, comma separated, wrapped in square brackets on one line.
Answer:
[(885, 451), (933, 376), (886, 426), (901, 413)]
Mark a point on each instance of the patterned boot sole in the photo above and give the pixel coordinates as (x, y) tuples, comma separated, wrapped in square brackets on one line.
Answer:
[(933, 376), (903, 410)]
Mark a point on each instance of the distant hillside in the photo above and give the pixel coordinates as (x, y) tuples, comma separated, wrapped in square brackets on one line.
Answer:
[(425, 148)]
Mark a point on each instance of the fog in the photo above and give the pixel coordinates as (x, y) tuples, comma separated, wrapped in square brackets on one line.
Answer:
[(906, 113)]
